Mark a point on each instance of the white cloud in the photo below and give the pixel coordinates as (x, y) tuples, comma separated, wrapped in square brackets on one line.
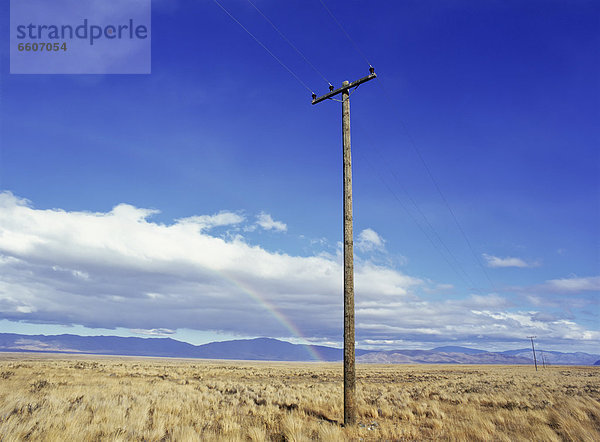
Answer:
[(573, 284), (444, 286), (495, 262), (120, 269), (265, 221), (153, 332), (205, 222), (369, 240), (551, 293)]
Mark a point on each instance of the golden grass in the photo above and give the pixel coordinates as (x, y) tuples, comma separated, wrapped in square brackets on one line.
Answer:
[(78, 398)]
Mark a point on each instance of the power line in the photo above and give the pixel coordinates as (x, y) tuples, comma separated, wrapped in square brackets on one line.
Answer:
[(455, 266), (290, 43), (344, 31), (418, 152), (439, 190), (428, 223), (263, 46), (411, 139)]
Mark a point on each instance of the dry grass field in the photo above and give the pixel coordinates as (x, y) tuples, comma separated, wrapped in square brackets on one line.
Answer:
[(75, 398)]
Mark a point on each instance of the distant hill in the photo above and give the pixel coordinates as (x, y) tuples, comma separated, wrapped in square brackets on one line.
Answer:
[(268, 349), (455, 349), (440, 357), (264, 349), (555, 357)]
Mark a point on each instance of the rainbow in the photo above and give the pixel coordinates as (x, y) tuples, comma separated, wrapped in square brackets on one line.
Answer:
[(269, 307)]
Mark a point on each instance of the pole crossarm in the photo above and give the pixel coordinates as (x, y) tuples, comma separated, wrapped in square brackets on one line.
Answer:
[(339, 90)]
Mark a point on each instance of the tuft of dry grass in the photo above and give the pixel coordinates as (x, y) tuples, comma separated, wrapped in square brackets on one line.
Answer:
[(59, 397)]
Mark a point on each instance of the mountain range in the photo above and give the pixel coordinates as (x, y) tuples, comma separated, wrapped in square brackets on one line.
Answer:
[(268, 349)]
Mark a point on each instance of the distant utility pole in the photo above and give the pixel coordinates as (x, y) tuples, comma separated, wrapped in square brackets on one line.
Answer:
[(543, 360), (349, 355), (533, 348)]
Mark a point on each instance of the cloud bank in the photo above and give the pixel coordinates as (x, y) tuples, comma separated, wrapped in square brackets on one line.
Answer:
[(121, 269)]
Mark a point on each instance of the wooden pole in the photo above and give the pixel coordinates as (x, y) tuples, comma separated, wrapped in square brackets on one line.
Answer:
[(533, 348), (543, 359), (349, 352), (349, 355)]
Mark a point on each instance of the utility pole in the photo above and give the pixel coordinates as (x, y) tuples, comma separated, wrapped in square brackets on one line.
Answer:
[(543, 360), (349, 352), (533, 349)]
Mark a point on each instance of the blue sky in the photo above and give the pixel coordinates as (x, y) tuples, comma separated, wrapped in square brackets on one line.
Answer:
[(203, 201)]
